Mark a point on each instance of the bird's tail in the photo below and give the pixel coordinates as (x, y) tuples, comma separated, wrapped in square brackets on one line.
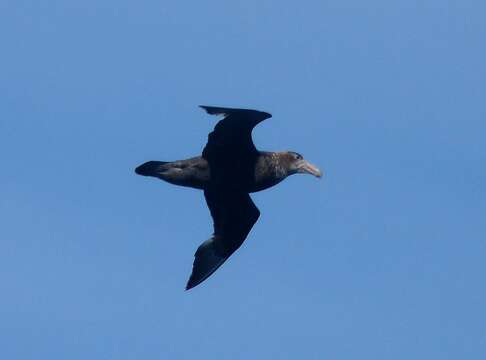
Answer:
[(151, 168)]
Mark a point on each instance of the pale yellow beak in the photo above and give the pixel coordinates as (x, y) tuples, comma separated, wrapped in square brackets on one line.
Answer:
[(307, 168)]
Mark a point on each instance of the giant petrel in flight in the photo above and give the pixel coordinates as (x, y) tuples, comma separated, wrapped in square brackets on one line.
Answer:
[(229, 169)]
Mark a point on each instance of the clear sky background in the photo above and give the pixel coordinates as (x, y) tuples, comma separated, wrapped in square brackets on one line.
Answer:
[(382, 259)]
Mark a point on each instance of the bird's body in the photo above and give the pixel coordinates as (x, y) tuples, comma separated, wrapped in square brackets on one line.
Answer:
[(229, 169), (196, 173)]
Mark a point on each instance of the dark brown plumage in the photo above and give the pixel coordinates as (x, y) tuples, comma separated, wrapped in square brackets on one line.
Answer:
[(229, 169)]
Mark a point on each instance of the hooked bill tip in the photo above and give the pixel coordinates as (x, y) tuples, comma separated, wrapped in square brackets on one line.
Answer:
[(311, 169)]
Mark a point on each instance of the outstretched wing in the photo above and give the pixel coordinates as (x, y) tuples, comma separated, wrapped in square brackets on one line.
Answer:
[(230, 151), (234, 214), (233, 133)]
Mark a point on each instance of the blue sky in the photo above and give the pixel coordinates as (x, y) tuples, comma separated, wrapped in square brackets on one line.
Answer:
[(382, 259)]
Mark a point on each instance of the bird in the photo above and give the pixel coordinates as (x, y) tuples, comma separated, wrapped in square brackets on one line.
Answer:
[(228, 170)]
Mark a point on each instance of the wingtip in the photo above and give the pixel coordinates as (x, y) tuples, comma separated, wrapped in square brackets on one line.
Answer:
[(216, 110), (213, 110), (207, 108), (268, 115), (188, 287), (206, 262), (192, 284)]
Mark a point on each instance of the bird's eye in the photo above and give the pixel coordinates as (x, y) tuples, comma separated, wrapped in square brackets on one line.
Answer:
[(298, 157)]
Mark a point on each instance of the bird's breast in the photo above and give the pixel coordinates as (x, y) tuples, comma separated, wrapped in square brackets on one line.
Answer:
[(267, 173)]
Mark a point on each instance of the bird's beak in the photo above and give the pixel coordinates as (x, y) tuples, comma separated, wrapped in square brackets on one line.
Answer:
[(306, 167)]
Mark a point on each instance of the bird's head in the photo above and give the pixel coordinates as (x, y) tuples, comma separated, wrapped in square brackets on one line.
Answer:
[(296, 164)]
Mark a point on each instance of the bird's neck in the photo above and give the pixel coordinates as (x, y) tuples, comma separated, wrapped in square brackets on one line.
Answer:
[(269, 171), (278, 167)]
